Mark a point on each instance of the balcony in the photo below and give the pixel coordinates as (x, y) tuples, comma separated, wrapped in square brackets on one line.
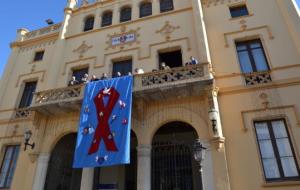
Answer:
[(178, 82)]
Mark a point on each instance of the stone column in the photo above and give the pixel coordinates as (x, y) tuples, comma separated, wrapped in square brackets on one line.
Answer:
[(87, 179), (41, 171), (144, 167)]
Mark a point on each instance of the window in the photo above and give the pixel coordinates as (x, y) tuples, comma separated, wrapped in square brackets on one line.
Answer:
[(38, 56), (79, 73), (107, 18), (124, 67), (125, 14), (145, 9), (252, 57), (166, 5), (238, 11), (8, 165), (89, 23), (277, 153), (27, 96)]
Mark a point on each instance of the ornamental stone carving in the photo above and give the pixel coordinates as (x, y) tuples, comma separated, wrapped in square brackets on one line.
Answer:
[(82, 49), (167, 30)]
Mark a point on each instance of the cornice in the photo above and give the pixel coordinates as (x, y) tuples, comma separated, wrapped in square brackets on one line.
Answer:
[(208, 3), (35, 40)]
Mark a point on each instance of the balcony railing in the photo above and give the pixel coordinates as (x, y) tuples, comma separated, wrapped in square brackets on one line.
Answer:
[(257, 78), (43, 31), (22, 113), (146, 85), (165, 78)]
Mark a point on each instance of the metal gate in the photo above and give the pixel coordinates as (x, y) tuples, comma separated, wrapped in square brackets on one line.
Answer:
[(60, 174), (171, 166)]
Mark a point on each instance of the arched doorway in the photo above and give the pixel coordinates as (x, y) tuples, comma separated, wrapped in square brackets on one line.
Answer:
[(172, 164), (121, 177), (60, 174)]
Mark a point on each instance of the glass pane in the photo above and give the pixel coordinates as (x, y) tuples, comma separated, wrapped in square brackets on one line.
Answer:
[(260, 60), (284, 147), (279, 129), (2, 179), (262, 131), (238, 11), (266, 149), (255, 45), (241, 47), (271, 168), (289, 167), (245, 62)]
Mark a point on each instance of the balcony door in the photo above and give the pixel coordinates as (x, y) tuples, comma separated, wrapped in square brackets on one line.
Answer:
[(124, 67), (171, 58)]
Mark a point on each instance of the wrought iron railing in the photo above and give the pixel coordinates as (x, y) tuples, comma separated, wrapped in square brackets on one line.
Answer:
[(257, 78)]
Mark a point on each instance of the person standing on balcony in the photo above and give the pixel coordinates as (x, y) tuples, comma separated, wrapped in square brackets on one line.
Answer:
[(85, 78), (139, 71), (104, 76), (73, 81), (94, 78), (194, 61), (164, 66)]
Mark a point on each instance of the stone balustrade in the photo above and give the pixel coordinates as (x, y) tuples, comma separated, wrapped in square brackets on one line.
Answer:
[(22, 113), (43, 31), (257, 78), (186, 78)]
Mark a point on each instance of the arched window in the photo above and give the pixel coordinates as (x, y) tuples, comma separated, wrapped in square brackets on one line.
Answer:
[(89, 23), (125, 14), (145, 9), (166, 5), (107, 18)]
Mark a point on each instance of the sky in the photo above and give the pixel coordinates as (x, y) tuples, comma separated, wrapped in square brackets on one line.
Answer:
[(30, 14)]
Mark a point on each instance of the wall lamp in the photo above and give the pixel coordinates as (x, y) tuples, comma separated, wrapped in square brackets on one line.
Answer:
[(213, 116), (27, 137)]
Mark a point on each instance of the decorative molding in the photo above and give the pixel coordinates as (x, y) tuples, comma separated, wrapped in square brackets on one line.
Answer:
[(292, 108), (138, 49), (81, 61), (208, 3), (82, 49), (29, 74), (167, 30), (244, 89), (272, 70), (244, 28), (123, 34), (37, 46)]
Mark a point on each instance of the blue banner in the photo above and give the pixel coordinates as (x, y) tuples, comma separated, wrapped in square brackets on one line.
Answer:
[(104, 130)]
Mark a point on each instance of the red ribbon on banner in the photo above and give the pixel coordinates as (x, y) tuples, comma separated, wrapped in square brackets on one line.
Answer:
[(103, 115)]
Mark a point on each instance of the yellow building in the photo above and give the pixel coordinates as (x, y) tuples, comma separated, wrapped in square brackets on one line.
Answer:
[(239, 97)]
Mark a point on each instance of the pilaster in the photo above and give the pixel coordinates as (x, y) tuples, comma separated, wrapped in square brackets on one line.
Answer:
[(41, 171), (144, 167)]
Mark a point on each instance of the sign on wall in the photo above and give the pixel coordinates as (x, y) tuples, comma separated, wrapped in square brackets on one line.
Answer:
[(122, 39)]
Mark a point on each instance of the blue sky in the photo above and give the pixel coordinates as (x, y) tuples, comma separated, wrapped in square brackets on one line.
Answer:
[(29, 14)]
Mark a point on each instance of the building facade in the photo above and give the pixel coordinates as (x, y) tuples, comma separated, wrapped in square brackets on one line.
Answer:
[(241, 99)]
